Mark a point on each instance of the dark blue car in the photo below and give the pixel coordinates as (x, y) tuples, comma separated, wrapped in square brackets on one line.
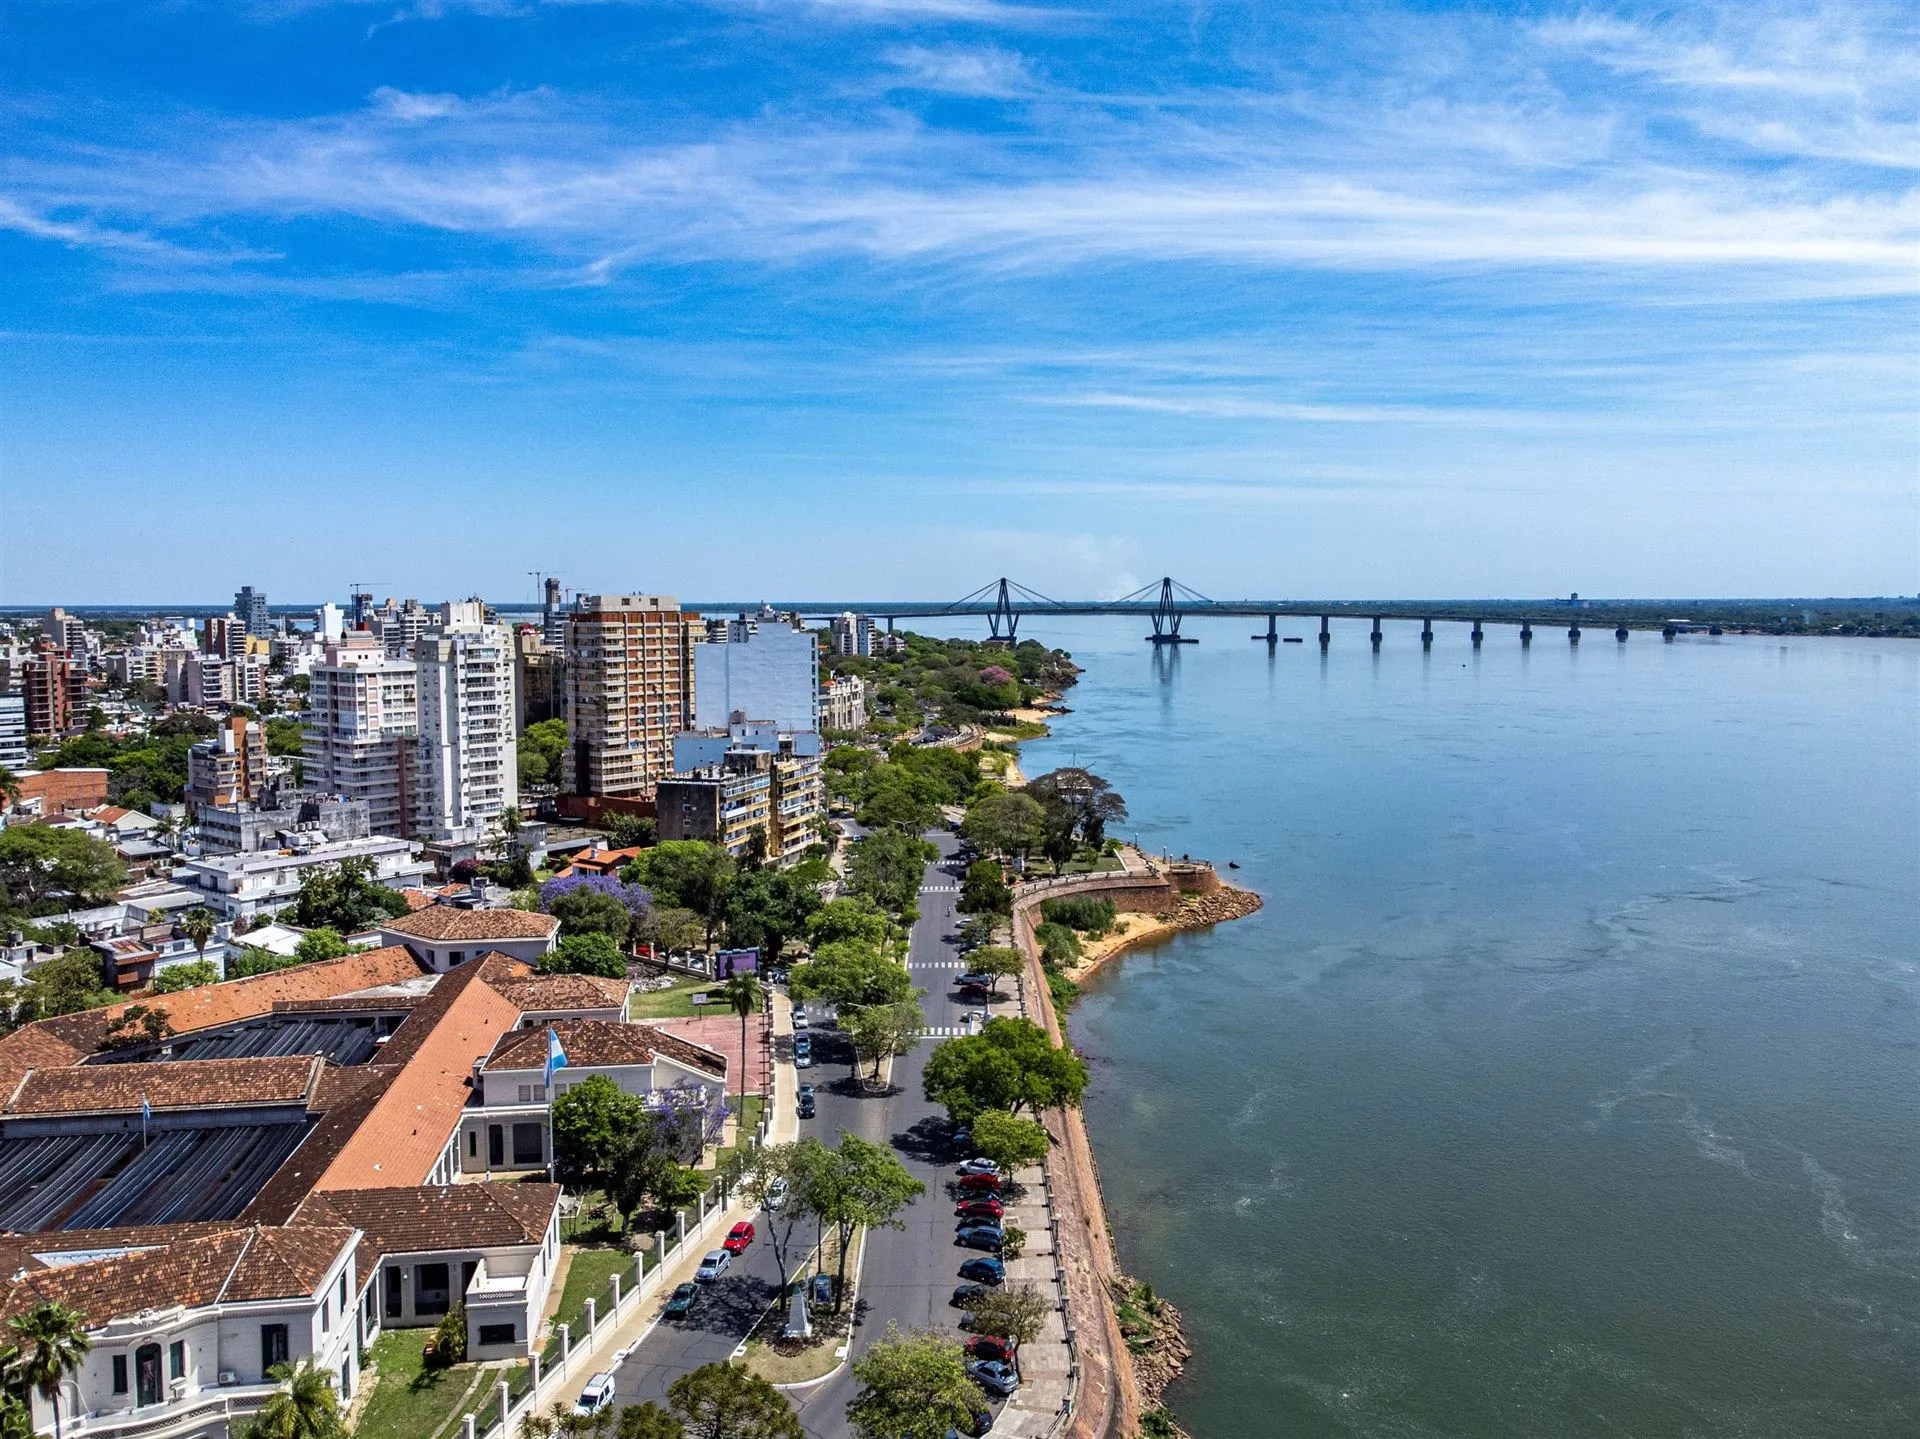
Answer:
[(984, 1271), (980, 1236)]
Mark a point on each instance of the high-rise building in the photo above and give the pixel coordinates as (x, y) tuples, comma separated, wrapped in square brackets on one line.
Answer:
[(230, 768), (250, 606), (553, 616), (362, 719), (208, 679), (851, 635), (328, 623), (13, 733), (468, 767), (361, 607), (66, 632), (401, 626), (755, 790), (843, 704), (629, 690), (766, 669), (539, 679), (223, 635), (47, 685)]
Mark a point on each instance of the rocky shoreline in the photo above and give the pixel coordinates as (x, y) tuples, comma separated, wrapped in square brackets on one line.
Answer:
[(1195, 912)]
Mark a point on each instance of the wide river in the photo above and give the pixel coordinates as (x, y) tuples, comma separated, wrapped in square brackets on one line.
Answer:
[(1569, 1081)]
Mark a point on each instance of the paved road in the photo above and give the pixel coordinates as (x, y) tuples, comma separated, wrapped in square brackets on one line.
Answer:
[(907, 1275)]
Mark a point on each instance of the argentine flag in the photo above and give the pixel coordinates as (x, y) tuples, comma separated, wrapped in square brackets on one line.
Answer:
[(556, 1056)]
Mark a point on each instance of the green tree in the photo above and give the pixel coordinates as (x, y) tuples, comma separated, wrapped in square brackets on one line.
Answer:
[(850, 972), (1006, 822), (630, 831), (9, 787), (590, 953), (1059, 945), (719, 1401), (1010, 1065), (850, 917), (649, 1421), (878, 1030), (758, 1172), (863, 1185), (1010, 1141), (245, 960), (1010, 1312), (767, 908), (593, 1126), (887, 867), (285, 736), (16, 1420), (543, 753), (686, 874), (742, 995), (669, 928), (191, 975), (304, 1407), (450, 1337), (66, 984), (41, 863), (897, 799), (913, 1385), (320, 944), (984, 890), (345, 897), (590, 911), (1091, 802), (997, 962), (49, 1342)]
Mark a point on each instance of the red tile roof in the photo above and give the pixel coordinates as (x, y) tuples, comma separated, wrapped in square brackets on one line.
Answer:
[(186, 1085), (415, 1221), (535, 993), (442, 922), (599, 1043)]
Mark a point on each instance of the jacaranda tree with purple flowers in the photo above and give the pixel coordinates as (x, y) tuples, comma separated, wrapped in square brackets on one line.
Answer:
[(595, 904)]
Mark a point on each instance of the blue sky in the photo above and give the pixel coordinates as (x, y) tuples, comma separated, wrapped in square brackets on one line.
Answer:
[(888, 297)]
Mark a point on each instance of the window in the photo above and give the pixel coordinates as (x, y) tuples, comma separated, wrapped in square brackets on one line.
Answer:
[(146, 1374), (273, 1346), (343, 1291), (119, 1374), (326, 1315), (528, 1145), (497, 1334), (392, 1279), (459, 956), (177, 1360), (430, 1292), (473, 1144)]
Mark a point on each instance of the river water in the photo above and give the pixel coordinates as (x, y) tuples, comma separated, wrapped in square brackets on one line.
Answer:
[(1568, 1082)]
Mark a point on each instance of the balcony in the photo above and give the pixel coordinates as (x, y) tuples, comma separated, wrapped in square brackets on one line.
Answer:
[(191, 1414)]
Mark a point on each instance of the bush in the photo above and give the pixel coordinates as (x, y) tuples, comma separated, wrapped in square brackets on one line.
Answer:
[(1013, 1239), (1058, 944), (450, 1338), (590, 953), (176, 977), (1063, 991), (1089, 913)]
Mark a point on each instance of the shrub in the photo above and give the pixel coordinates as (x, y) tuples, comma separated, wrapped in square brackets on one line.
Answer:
[(450, 1338), (1013, 1239), (1058, 944), (1088, 913)]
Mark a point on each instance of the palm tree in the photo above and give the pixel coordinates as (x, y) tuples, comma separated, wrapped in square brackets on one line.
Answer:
[(742, 993), (15, 1421), (49, 1342), (9, 785), (197, 925), (304, 1408)]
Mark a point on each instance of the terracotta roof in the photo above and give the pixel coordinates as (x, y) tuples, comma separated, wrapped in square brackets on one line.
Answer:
[(417, 898), (597, 1043), (186, 1085), (565, 991), (338, 1084), (607, 861), (408, 1125), (255, 1262), (414, 1221), (36, 1046), (441, 922)]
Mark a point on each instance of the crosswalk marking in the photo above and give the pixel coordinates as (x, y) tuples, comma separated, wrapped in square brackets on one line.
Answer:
[(943, 1031), (939, 964), (939, 889)]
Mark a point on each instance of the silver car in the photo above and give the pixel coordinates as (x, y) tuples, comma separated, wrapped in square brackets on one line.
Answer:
[(713, 1265)]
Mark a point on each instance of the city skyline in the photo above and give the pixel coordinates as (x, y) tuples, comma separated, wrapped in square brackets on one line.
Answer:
[(888, 298)]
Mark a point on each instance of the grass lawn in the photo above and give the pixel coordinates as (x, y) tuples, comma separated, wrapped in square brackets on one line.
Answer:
[(674, 1003), (749, 1122), (410, 1401), (587, 1276)]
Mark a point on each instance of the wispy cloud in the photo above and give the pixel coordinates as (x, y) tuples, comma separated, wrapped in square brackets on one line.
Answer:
[(988, 72)]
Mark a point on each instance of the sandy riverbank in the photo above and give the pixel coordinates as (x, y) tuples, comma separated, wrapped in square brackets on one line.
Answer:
[(1132, 928)]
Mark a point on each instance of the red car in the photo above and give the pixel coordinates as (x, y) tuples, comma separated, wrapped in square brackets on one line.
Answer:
[(990, 1346), (738, 1238), (979, 1209), (978, 1183)]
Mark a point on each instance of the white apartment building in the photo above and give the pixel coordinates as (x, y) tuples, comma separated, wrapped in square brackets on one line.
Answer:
[(843, 704), (851, 635), (362, 721), (765, 669), (13, 733), (243, 886), (468, 773), (401, 626)]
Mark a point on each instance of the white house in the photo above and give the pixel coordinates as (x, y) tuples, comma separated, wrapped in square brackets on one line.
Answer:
[(240, 886), (445, 936)]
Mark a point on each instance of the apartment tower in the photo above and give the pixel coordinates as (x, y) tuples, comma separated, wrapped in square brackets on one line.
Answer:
[(362, 719), (629, 690), (469, 759)]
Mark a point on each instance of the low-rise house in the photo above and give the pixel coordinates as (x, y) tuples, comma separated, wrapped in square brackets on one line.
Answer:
[(505, 1128), (446, 936), (240, 886), (543, 998)]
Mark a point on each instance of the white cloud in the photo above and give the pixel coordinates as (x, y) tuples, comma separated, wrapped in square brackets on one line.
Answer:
[(990, 73)]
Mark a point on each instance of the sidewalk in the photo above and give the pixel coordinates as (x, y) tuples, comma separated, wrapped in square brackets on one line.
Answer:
[(1034, 1409)]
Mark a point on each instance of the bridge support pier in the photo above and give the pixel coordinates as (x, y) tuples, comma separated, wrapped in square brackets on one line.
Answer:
[(1272, 636), (1526, 634), (1620, 633), (1573, 634), (1376, 632), (1326, 635), (1478, 634), (1426, 634), (1667, 632)]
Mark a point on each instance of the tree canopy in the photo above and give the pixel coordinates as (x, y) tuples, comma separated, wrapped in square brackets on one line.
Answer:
[(984, 890), (913, 1385), (876, 1031), (853, 917), (1010, 1065), (1009, 822), (886, 867), (686, 874), (1087, 803), (767, 908), (722, 1401), (47, 868), (1010, 1141), (850, 972), (593, 952), (344, 897)]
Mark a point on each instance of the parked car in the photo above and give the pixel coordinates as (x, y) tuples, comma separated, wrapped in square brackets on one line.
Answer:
[(802, 1044), (990, 1346), (962, 1139), (805, 1106), (979, 1209), (776, 1193), (806, 1091), (803, 1059), (984, 1271), (680, 1304), (963, 1292), (713, 1265), (800, 1020), (981, 1236), (821, 1290), (738, 1238), (978, 1183), (978, 1166), (982, 1423), (596, 1396), (994, 1376), (975, 981)]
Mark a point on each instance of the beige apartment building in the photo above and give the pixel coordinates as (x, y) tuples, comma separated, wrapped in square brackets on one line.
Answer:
[(629, 691)]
